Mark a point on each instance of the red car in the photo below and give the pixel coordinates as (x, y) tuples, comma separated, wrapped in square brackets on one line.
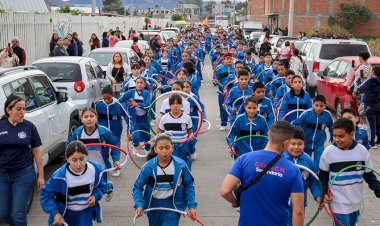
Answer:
[(335, 82)]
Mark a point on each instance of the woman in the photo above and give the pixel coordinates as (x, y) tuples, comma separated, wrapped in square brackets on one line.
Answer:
[(19, 149), (296, 63), (94, 42), (73, 43), (284, 54), (117, 69), (105, 41), (265, 46), (53, 43)]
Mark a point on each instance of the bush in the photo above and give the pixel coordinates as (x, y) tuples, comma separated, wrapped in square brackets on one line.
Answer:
[(374, 45), (334, 31)]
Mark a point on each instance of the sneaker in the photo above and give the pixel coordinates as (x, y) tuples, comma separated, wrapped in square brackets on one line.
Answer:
[(222, 128), (116, 173), (109, 193), (373, 146), (193, 156), (152, 122), (134, 148)]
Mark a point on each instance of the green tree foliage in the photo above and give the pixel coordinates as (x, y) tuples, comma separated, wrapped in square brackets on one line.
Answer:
[(349, 15), (177, 17), (113, 6), (67, 9)]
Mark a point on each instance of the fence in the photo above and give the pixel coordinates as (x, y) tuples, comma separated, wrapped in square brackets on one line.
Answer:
[(35, 30)]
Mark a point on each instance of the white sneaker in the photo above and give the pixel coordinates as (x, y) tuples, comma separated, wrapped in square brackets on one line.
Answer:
[(152, 122), (222, 128), (134, 149), (193, 156), (116, 173), (109, 193)]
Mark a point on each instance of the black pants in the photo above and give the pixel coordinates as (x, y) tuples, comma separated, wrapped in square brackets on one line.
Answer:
[(373, 118)]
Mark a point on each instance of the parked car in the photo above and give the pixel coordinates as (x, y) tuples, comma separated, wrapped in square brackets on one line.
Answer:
[(297, 43), (148, 34), (167, 35), (103, 56), (142, 44), (335, 80), (175, 29), (261, 40), (318, 53), (276, 43), (82, 76)]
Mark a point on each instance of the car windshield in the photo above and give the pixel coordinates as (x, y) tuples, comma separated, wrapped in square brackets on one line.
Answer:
[(124, 44), (104, 58), (61, 72), (169, 35), (332, 51)]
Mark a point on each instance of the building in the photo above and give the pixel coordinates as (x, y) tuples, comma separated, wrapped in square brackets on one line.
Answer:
[(36, 6), (309, 14), (222, 9), (190, 11)]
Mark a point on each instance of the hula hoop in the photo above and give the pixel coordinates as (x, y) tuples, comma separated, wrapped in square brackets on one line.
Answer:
[(165, 77), (113, 147), (244, 137), (200, 114), (320, 187), (226, 86), (331, 183), (233, 104), (137, 151), (129, 151), (154, 81), (270, 83), (204, 120), (290, 112), (167, 209), (64, 224)]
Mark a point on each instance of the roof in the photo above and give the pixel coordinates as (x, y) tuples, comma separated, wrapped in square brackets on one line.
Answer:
[(371, 60), (110, 49), (60, 59), (37, 6)]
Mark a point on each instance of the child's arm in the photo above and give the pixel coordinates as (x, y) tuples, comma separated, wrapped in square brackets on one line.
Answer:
[(189, 189), (371, 179), (313, 184), (329, 125), (324, 175), (138, 188), (101, 188), (48, 198), (128, 119), (229, 102), (283, 107), (271, 114), (111, 139)]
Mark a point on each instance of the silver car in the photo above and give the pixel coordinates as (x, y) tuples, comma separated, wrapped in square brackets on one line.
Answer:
[(82, 76), (142, 44)]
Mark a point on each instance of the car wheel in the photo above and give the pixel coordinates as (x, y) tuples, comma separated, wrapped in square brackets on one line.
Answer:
[(73, 126), (338, 109), (30, 200)]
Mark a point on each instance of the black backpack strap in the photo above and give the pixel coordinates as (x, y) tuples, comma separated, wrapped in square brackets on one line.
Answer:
[(262, 173)]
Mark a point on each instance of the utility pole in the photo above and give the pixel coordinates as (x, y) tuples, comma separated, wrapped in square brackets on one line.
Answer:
[(93, 10), (291, 15)]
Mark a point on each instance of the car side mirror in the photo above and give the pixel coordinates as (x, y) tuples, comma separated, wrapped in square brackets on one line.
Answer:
[(320, 74), (62, 96)]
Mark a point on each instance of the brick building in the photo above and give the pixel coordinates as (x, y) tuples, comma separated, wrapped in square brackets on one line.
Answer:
[(309, 14)]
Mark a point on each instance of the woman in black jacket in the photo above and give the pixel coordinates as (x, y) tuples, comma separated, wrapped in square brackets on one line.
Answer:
[(265, 46), (53, 42)]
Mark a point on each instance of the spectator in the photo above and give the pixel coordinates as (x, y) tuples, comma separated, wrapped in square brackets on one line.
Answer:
[(59, 49), (117, 69), (283, 32), (371, 100), (94, 42), (118, 32), (53, 42), (8, 58), (20, 52), (113, 39), (135, 47), (68, 47), (362, 73), (265, 46), (74, 44), (122, 37), (262, 203), (105, 41), (20, 149), (79, 43), (304, 36), (296, 63), (155, 44), (284, 54), (142, 36), (316, 34)]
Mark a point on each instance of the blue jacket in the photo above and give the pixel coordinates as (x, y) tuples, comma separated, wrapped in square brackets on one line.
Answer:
[(277, 82), (280, 94), (291, 102), (361, 136), (105, 42), (54, 194), (256, 68), (175, 53), (195, 83), (242, 127), (184, 190), (109, 115), (240, 55), (314, 127), (194, 108), (265, 109), (371, 94), (222, 73), (249, 63), (208, 38), (214, 57), (154, 64), (235, 93), (105, 136), (141, 104), (308, 180), (165, 68)]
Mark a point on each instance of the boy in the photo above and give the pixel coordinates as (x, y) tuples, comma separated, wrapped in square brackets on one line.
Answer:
[(249, 123), (346, 198), (248, 61), (361, 135), (314, 122), (215, 55), (295, 154), (266, 70), (284, 88), (233, 77), (255, 69), (240, 91), (278, 80)]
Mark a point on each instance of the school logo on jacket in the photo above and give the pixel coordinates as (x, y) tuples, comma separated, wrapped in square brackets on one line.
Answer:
[(359, 166), (114, 117), (305, 174), (323, 126), (21, 135), (183, 126)]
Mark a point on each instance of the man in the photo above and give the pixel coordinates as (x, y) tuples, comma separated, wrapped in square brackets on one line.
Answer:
[(79, 42), (266, 202), (20, 52), (59, 50), (68, 47)]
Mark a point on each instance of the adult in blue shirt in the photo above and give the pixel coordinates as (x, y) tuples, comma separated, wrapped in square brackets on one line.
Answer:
[(266, 203), (19, 149)]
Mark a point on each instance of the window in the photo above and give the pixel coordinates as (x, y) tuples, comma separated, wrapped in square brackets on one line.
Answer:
[(134, 58), (98, 70), (330, 71), (7, 90), (45, 91), (24, 89), (332, 51), (90, 71), (341, 70), (61, 72)]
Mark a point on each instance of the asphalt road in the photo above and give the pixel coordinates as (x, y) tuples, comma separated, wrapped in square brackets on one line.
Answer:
[(209, 170)]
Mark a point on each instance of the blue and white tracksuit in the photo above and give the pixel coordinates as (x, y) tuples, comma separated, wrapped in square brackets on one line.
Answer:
[(154, 64), (277, 82), (110, 116), (314, 128), (280, 94), (265, 109), (183, 197), (138, 114), (243, 127), (240, 55), (175, 52), (233, 97), (150, 74), (194, 114), (208, 38), (222, 73), (249, 63), (214, 57), (53, 197), (291, 101), (361, 136)]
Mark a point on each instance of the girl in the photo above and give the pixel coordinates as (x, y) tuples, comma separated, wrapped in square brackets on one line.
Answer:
[(296, 62), (185, 58), (91, 132), (73, 193), (164, 181), (165, 107), (183, 75), (137, 102), (153, 62), (53, 42), (166, 70), (130, 81), (193, 74), (296, 98), (179, 126), (94, 42)]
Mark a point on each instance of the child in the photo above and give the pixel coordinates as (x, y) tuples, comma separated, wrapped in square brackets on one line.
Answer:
[(110, 113), (183, 75), (346, 197), (257, 68), (284, 88), (165, 107), (249, 123), (296, 155), (91, 132), (239, 91), (190, 67), (185, 58), (137, 102), (278, 80), (164, 181), (296, 98), (314, 122), (249, 61), (265, 72), (265, 105), (73, 193), (215, 55), (361, 135), (130, 81), (179, 126)]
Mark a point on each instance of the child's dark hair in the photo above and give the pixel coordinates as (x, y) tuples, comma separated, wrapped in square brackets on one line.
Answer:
[(248, 53), (158, 138), (187, 82), (296, 76), (75, 146), (298, 133), (319, 98), (251, 100), (86, 109), (178, 83), (345, 124), (276, 59), (141, 78), (350, 111), (175, 97), (142, 63), (267, 54), (289, 72), (189, 66), (238, 62), (261, 54), (184, 70), (247, 68), (107, 90), (243, 73), (364, 55), (258, 85), (376, 71)]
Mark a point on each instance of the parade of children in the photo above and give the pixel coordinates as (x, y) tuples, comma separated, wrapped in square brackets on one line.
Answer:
[(198, 125)]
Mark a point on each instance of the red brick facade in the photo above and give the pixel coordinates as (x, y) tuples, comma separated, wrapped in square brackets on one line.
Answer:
[(310, 14)]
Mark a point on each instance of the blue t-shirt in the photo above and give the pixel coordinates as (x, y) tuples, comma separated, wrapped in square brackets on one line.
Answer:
[(16, 143), (266, 203)]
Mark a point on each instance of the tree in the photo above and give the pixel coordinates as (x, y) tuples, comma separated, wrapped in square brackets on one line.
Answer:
[(67, 9), (177, 17), (113, 6), (349, 15)]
